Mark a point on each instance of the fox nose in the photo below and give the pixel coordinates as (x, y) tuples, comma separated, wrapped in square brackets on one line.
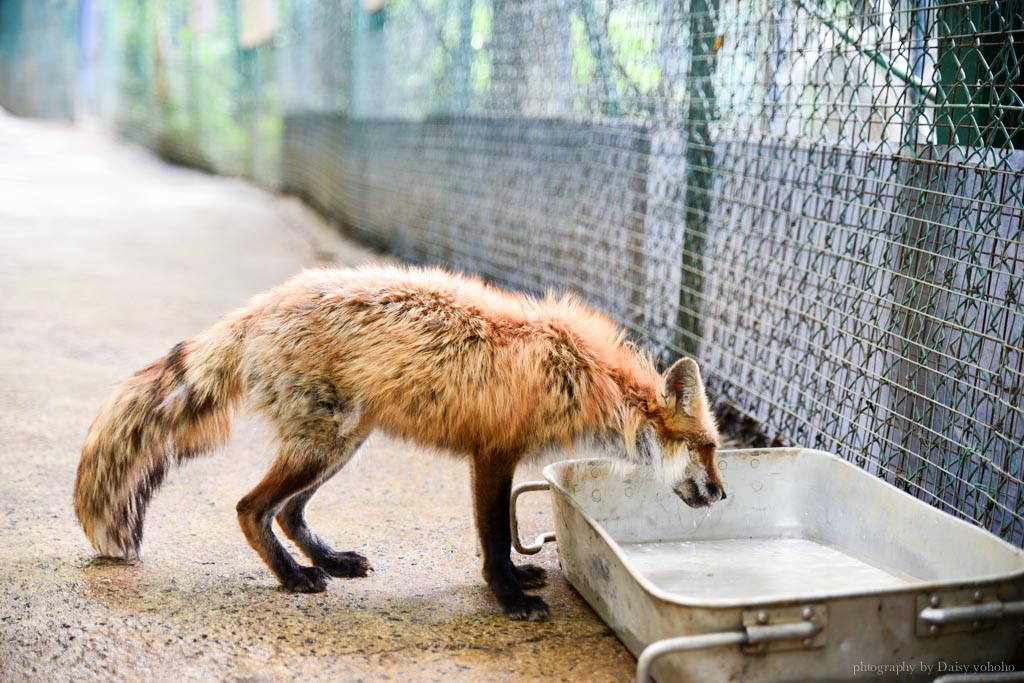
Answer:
[(715, 489)]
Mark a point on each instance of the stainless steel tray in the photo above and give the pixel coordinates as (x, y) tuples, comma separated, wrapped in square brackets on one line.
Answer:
[(811, 569)]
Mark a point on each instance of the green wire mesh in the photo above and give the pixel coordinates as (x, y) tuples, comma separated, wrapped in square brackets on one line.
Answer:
[(821, 200)]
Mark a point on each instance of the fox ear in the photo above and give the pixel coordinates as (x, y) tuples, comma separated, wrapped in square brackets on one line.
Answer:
[(681, 387)]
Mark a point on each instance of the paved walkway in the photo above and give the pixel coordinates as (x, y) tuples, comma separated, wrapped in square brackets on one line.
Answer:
[(108, 257)]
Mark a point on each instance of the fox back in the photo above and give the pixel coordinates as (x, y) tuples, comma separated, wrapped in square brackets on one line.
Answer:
[(441, 359)]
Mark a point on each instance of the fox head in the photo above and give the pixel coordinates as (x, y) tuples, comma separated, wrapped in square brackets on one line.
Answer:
[(688, 438)]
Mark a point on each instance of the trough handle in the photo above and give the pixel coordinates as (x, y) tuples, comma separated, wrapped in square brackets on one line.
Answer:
[(985, 610), (539, 542), (749, 635)]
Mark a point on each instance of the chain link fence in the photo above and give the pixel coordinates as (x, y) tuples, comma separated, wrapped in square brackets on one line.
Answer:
[(820, 200)]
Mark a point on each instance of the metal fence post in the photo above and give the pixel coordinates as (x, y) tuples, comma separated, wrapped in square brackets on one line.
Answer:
[(700, 156)]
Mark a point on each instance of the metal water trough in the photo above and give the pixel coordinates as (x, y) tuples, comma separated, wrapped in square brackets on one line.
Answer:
[(811, 570)]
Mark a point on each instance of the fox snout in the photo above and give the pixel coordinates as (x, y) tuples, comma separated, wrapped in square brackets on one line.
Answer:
[(699, 494)]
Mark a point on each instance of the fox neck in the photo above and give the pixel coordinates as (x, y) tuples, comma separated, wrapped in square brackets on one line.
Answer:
[(626, 445), (628, 436), (624, 430)]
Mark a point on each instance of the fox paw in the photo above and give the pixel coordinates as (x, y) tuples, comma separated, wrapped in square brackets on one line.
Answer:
[(307, 580), (530, 575), (527, 608), (344, 564)]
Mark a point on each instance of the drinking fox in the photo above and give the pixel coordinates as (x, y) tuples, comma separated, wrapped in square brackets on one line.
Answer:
[(441, 359)]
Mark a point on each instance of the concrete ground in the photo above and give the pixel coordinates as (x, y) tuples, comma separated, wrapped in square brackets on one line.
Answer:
[(108, 257)]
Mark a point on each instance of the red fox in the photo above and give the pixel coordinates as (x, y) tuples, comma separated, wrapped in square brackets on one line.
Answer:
[(441, 359)]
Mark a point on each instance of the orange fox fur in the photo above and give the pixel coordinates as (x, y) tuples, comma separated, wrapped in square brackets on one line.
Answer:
[(443, 360)]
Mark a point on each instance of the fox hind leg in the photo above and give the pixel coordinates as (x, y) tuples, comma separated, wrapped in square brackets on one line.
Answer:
[(292, 519), (308, 457), (256, 512)]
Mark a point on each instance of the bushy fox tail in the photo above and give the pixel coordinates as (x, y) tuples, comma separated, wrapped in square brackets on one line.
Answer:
[(175, 409)]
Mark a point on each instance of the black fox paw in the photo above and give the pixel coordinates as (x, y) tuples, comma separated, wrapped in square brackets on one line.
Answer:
[(307, 580), (527, 608), (530, 575), (345, 564)]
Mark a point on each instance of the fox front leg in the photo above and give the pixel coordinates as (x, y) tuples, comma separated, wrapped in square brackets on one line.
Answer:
[(492, 489)]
